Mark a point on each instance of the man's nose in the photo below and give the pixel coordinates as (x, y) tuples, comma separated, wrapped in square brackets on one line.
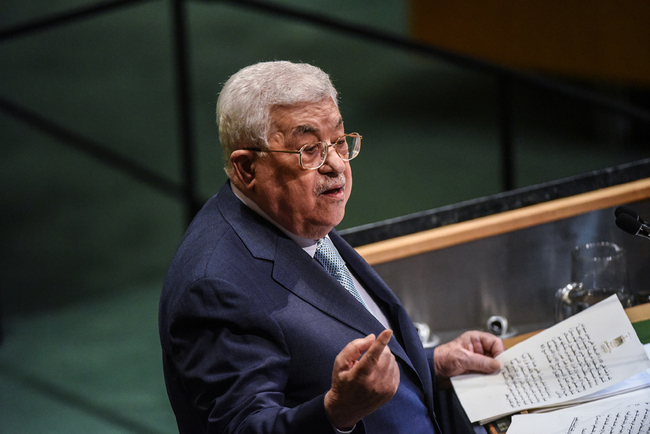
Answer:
[(333, 161)]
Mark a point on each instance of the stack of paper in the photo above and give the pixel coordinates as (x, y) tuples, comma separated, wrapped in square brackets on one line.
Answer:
[(628, 413)]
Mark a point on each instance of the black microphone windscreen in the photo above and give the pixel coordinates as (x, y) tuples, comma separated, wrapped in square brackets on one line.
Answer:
[(625, 210), (628, 223)]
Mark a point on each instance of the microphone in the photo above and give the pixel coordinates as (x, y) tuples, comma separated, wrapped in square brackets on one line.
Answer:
[(632, 226), (629, 211), (625, 210)]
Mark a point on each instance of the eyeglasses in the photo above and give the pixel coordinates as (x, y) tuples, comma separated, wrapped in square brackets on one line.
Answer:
[(313, 155)]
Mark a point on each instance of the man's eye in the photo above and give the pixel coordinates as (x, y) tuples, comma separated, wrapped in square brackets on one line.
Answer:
[(311, 149)]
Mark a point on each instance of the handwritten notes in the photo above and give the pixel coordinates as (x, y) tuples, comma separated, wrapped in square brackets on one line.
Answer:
[(526, 385), (575, 361), (585, 353)]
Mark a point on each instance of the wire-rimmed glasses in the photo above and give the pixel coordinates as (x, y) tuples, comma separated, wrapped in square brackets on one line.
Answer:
[(312, 155)]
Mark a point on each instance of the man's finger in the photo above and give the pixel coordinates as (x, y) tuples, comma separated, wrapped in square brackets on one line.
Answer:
[(477, 344), (350, 354), (385, 336), (374, 352), (496, 347), (485, 343)]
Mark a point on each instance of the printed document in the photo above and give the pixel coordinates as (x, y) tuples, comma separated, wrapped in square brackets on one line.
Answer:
[(629, 414)]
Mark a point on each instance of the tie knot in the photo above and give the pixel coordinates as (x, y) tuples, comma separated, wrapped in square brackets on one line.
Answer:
[(327, 255)]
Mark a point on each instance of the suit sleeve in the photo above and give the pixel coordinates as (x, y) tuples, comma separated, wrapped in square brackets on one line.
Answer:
[(429, 353), (232, 363)]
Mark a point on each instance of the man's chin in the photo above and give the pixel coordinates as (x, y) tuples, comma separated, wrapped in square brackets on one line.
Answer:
[(318, 231)]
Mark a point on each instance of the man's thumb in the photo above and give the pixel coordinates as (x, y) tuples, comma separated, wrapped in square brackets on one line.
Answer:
[(484, 364)]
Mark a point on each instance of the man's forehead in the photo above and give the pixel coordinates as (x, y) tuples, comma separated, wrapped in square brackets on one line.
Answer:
[(305, 118), (310, 128)]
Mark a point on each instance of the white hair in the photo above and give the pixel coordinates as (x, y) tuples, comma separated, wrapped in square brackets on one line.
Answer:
[(246, 100)]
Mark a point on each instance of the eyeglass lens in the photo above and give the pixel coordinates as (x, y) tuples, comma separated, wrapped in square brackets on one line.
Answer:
[(313, 155)]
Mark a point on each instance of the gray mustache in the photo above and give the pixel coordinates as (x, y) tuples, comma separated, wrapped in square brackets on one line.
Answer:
[(331, 183)]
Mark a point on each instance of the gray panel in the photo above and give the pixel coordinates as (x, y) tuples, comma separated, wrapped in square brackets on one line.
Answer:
[(514, 275)]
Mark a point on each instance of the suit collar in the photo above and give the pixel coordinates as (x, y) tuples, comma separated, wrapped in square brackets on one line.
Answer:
[(258, 235)]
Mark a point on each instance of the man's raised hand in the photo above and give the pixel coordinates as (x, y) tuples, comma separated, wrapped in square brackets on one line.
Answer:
[(365, 377)]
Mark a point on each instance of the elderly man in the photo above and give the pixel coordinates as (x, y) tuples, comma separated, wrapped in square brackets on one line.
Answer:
[(269, 321)]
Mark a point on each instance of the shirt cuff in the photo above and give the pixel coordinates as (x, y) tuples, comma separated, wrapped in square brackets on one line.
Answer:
[(338, 431)]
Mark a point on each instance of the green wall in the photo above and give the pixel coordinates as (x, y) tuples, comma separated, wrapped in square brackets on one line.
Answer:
[(72, 228)]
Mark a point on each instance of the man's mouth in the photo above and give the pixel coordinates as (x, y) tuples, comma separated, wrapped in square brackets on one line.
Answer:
[(333, 191), (333, 188)]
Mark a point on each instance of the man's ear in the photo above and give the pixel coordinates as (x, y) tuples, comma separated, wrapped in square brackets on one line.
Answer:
[(243, 163)]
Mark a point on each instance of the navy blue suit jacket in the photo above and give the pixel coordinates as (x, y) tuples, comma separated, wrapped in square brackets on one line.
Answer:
[(250, 326)]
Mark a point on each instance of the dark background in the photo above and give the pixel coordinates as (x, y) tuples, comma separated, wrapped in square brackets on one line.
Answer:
[(85, 247)]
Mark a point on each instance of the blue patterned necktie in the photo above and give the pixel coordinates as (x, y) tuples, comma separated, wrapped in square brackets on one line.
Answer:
[(327, 255)]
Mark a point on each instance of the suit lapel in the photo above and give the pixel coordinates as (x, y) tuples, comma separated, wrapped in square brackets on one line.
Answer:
[(293, 267), (306, 278), (317, 287)]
